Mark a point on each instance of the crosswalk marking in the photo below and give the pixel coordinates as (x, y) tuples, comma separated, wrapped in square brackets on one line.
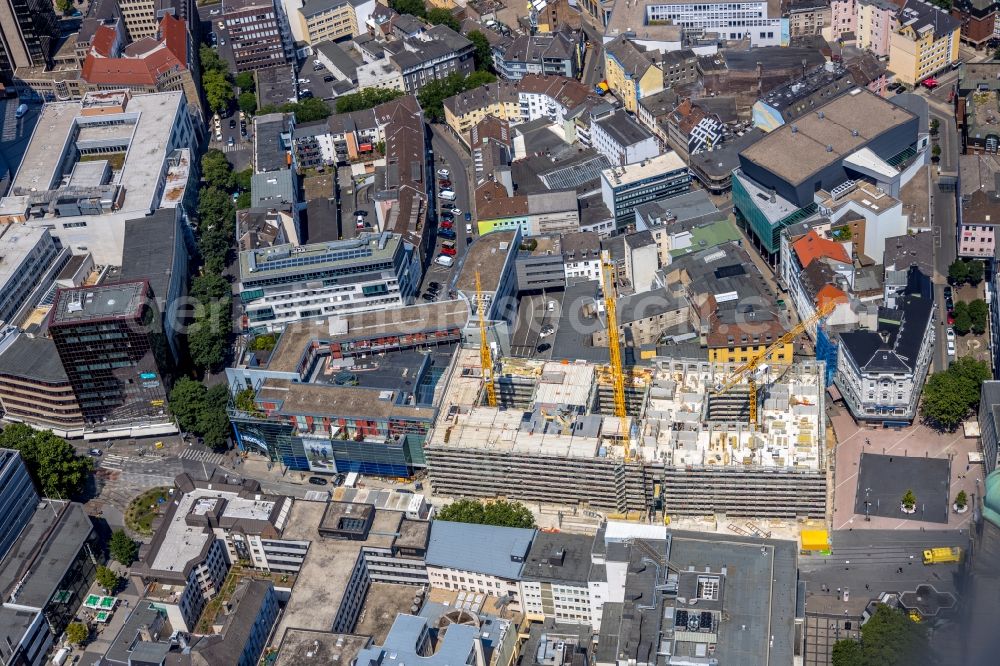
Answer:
[(204, 456), (112, 461), (9, 121), (226, 148)]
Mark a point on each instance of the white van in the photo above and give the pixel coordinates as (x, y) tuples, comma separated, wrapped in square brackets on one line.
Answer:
[(21, 110), (447, 195), (445, 260), (468, 228)]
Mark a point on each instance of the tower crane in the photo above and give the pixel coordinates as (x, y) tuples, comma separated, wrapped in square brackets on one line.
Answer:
[(747, 369), (617, 374), (485, 357)]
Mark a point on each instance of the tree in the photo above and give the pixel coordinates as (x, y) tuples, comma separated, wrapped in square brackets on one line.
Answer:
[(310, 109), (264, 342), (213, 422), (107, 579), (963, 321), (122, 548), (241, 179), (909, 499), (247, 102), (208, 338), (888, 638), (500, 512), (243, 200), (187, 401), (438, 16), (52, 463), (958, 272), (483, 54), (961, 499), (245, 82), (975, 270), (434, 93), (216, 169), (77, 633), (935, 126), (949, 395), (215, 206), (979, 314), (936, 152), (210, 60), (64, 6), (210, 286), (414, 7), (366, 99), (218, 90)]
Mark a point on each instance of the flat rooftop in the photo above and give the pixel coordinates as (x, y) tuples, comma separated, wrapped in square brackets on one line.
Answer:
[(100, 303), (797, 150), (312, 399), (632, 173), (488, 255), (304, 646), (289, 260), (151, 119)]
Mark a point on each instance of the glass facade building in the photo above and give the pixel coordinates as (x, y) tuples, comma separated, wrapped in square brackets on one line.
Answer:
[(114, 351)]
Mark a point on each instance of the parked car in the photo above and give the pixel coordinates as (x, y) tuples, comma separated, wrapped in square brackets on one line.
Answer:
[(450, 251), (429, 297), (951, 348), (468, 228), (544, 347), (950, 334), (443, 173), (444, 183), (318, 481), (446, 224), (444, 260), (232, 123), (454, 211), (96, 452), (447, 233), (327, 79), (434, 285)]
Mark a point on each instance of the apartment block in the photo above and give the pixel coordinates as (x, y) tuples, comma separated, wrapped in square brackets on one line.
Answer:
[(622, 140), (284, 283), (631, 72), (807, 17), (979, 206), (625, 187), (552, 439), (925, 42), (329, 20), (555, 53)]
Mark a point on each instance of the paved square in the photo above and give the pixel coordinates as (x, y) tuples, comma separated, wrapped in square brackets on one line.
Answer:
[(890, 476)]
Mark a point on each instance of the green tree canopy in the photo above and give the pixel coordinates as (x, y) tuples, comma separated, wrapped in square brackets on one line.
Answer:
[(975, 270), (909, 499), (888, 638), (107, 579), (963, 321), (482, 53), (264, 342), (439, 16), (979, 314), (210, 286), (218, 90), (958, 272), (949, 395), (122, 548), (216, 169), (208, 336), (211, 61), (500, 512), (244, 81), (187, 400), (936, 152), (77, 633), (243, 200), (64, 6), (241, 179), (306, 110), (961, 499), (366, 99), (247, 102), (414, 7), (53, 464), (215, 206)]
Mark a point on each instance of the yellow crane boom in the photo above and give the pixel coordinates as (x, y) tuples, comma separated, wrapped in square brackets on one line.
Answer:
[(485, 357), (617, 374), (746, 370)]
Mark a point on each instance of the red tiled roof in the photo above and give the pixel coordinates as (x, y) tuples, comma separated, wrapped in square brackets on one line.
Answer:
[(148, 59), (812, 246), (831, 294), (104, 41)]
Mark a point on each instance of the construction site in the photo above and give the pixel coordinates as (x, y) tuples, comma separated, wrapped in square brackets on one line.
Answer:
[(686, 445)]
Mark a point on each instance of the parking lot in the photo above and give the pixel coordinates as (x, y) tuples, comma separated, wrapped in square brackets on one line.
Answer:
[(536, 325)]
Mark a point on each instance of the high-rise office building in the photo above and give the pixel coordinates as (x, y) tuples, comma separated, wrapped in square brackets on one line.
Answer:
[(112, 345), (28, 30), (18, 498)]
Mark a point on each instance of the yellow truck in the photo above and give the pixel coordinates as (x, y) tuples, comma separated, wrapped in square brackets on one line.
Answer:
[(942, 555)]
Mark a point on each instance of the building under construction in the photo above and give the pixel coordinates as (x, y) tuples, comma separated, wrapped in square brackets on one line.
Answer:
[(681, 449)]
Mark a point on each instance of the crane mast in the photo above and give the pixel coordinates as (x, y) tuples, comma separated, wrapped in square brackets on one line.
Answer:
[(746, 370), (485, 357), (617, 374)]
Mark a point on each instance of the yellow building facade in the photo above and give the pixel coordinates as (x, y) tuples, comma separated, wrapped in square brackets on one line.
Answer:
[(916, 52), (630, 84), (328, 23), (737, 354), (462, 123)]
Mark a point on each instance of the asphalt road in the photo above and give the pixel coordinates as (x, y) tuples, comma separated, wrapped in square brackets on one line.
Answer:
[(944, 221), (874, 558), (449, 156)]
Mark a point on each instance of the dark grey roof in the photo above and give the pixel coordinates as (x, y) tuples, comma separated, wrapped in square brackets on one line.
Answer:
[(275, 85), (661, 103), (536, 48), (623, 129), (683, 207), (559, 557), (226, 649), (922, 14), (485, 549), (150, 248), (915, 104), (33, 358), (771, 57), (273, 188), (901, 331), (313, 7), (573, 339), (438, 42), (44, 551), (340, 58), (720, 162), (270, 147), (144, 614)]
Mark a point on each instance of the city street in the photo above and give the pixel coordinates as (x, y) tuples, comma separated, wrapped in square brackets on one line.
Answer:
[(449, 154)]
